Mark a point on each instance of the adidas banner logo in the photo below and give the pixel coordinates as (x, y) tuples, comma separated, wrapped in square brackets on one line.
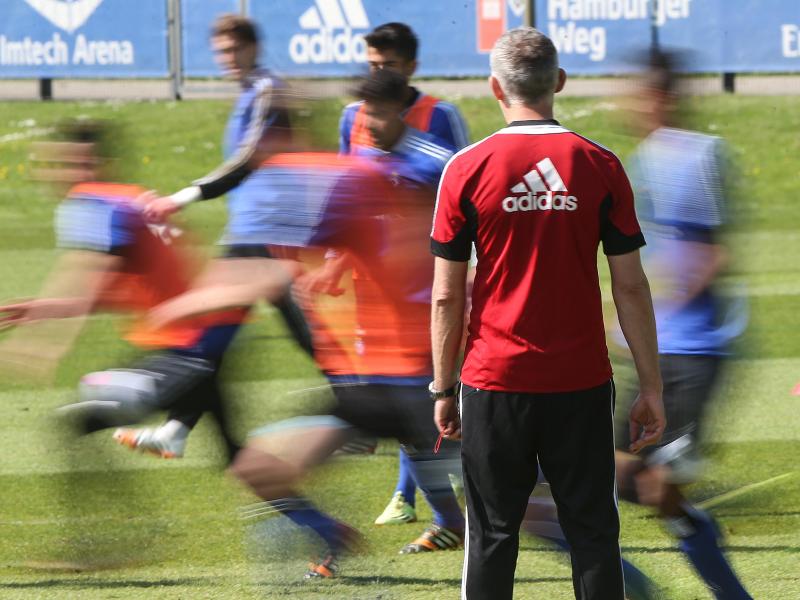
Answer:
[(66, 15), (334, 40), (543, 189)]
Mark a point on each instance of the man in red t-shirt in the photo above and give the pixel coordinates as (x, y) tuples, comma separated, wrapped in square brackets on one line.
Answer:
[(537, 200)]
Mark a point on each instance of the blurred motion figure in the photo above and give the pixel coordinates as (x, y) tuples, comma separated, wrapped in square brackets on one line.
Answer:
[(411, 130), (680, 181), (113, 259), (258, 126)]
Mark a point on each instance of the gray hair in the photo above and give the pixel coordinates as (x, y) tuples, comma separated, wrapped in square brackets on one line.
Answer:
[(525, 62)]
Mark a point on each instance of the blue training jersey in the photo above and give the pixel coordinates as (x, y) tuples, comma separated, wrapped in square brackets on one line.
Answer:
[(435, 131), (259, 118), (104, 217), (679, 180)]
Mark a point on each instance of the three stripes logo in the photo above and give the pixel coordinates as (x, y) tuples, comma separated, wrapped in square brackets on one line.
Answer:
[(335, 39), (542, 189)]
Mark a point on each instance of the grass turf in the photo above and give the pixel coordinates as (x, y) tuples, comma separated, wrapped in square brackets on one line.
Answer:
[(170, 530)]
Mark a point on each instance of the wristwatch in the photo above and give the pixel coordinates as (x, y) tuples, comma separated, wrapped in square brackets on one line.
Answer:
[(438, 395)]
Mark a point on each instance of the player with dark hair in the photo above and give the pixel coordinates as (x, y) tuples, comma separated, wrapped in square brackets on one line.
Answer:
[(412, 159), (393, 47), (430, 123), (394, 37), (258, 126)]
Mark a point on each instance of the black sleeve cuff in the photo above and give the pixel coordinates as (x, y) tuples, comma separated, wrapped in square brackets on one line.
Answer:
[(619, 243), (614, 241), (454, 250)]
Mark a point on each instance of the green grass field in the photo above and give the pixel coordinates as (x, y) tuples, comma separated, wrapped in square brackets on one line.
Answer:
[(163, 529)]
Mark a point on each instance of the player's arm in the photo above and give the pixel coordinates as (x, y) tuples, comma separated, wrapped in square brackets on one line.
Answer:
[(326, 278), (448, 299), (631, 293), (451, 244), (70, 291), (48, 326), (702, 262), (228, 283), (621, 238), (703, 257)]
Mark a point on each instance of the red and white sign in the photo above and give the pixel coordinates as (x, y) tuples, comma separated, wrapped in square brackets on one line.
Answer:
[(491, 23)]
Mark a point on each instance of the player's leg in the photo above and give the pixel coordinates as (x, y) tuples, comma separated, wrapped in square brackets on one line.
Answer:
[(401, 508), (575, 445), (432, 471), (499, 466), (291, 314), (688, 388), (123, 396), (169, 439), (275, 460), (409, 413)]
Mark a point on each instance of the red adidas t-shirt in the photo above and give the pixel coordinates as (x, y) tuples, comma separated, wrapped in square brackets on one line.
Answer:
[(537, 200)]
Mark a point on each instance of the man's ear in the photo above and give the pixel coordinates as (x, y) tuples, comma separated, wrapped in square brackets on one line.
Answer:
[(562, 80), (497, 90), (411, 69)]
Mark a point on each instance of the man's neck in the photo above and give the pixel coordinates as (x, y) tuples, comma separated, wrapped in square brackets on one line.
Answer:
[(245, 76), (521, 112)]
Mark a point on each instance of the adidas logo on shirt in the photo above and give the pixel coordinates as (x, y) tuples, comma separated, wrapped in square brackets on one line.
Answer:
[(334, 40), (542, 188)]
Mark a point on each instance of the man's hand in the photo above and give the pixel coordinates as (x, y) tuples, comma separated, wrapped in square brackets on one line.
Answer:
[(14, 314), (647, 420), (157, 208), (320, 281), (446, 418)]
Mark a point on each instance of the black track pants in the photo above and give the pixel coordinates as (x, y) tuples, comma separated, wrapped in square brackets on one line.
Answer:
[(505, 438)]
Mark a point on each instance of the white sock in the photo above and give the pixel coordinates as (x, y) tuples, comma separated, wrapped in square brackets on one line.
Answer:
[(173, 430)]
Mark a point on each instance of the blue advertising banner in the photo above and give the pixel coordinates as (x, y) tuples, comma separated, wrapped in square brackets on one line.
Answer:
[(603, 36), (595, 37), (83, 38), (325, 38), (197, 16), (737, 35)]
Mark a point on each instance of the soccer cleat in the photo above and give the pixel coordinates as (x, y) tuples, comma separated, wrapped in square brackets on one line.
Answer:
[(432, 539), (149, 441), (325, 569), (397, 512), (348, 541)]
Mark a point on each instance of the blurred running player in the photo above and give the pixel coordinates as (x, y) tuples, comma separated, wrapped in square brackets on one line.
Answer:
[(372, 341), (428, 124), (413, 161), (113, 259), (681, 183), (258, 126)]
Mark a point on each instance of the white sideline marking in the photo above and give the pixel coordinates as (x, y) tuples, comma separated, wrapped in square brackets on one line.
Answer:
[(722, 498)]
